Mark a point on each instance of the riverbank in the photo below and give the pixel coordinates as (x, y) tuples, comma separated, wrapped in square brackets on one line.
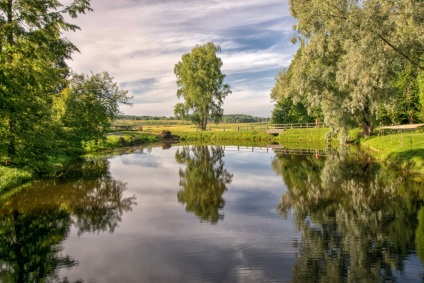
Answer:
[(12, 177), (402, 151)]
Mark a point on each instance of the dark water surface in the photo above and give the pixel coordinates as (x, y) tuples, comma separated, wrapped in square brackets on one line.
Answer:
[(216, 214)]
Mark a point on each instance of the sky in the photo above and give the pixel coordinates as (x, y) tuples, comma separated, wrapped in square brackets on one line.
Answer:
[(139, 41)]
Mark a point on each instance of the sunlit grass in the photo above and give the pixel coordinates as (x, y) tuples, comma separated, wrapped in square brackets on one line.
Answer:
[(401, 150), (312, 134), (13, 177)]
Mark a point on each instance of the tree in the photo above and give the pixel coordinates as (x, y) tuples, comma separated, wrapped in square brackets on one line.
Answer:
[(88, 106), (286, 110), (348, 50), (32, 69), (200, 83), (402, 106)]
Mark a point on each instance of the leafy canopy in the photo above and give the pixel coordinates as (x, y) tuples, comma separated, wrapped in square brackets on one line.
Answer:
[(348, 53), (88, 106), (201, 83), (32, 71)]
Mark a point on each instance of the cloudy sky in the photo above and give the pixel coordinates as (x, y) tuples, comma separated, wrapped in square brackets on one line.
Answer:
[(139, 41)]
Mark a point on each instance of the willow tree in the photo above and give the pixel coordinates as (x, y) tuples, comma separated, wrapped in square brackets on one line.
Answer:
[(349, 49), (32, 71), (201, 83)]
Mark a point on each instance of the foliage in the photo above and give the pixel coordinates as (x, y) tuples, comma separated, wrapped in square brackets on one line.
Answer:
[(200, 83), (90, 106), (242, 118), (203, 181), (285, 111), (156, 120), (290, 107), (348, 51), (403, 105), (32, 69), (122, 140)]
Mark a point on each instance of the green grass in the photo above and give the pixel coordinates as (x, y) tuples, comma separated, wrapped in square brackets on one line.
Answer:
[(13, 177), (121, 139), (402, 150), (312, 134), (226, 136)]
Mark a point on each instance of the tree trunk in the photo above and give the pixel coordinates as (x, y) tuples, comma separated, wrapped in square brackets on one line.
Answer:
[(204, 121), (11, 146), (367, 130)]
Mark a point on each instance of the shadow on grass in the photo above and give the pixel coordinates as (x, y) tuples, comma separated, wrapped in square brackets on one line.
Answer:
[(408, 159)]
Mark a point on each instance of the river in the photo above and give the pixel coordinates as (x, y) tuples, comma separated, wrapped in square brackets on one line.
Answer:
[(216, 214)]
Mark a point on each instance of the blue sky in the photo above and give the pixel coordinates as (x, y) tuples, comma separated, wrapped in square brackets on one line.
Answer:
[(139, 41)]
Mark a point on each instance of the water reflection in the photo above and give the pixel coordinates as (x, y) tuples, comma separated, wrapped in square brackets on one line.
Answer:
[(203, 181), (35, 222), (358, 222)]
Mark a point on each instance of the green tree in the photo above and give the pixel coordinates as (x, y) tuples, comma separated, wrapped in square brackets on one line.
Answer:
[(403, 105), (347, 53), (88, 106), (203, 181), (32, 69), (201, 83), (290, 107)]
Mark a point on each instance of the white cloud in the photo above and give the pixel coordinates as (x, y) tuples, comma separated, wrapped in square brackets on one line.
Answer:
[(140, 41)]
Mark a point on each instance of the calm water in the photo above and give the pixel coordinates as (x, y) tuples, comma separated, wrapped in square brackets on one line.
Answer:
[(216, 214)]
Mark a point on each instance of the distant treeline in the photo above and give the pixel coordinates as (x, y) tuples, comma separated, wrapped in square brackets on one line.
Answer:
[(230, 118)]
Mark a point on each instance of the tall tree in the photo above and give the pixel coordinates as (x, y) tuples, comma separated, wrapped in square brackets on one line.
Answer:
[(347, 53), (88, 106), (201, 83), (32, 69)]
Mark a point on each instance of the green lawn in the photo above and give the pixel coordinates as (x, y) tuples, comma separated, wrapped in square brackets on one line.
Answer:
[(12, 177), (402, 150)]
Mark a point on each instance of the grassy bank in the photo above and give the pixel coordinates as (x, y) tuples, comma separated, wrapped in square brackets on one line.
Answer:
[(226, 136), (301, 135), (403, 151), (13, 177), (121, 139)]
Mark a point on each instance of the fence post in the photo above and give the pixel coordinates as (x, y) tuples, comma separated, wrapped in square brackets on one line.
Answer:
[(238, 128)]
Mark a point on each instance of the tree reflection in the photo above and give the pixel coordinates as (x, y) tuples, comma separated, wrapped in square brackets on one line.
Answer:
[(357, 221), (35, 222), (203, 181)]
